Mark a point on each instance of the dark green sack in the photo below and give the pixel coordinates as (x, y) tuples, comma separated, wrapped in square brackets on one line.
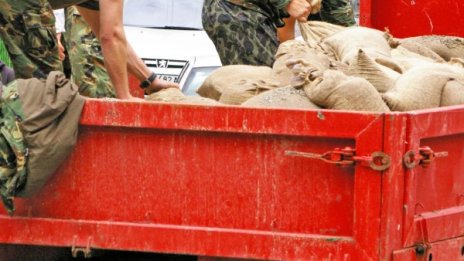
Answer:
[(40, 123)]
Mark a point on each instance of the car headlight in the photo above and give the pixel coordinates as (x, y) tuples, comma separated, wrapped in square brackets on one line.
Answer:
[(196, 77)]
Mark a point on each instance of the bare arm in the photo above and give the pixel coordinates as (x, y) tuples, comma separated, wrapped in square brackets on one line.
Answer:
[(288, 31), (107, 25), (119, 55)]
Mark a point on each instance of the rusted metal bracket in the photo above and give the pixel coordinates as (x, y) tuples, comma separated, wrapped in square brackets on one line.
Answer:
[(86, 251), (378, 161), (424, 157)]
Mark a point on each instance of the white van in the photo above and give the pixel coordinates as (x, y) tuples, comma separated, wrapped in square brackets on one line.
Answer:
[(168, 36)]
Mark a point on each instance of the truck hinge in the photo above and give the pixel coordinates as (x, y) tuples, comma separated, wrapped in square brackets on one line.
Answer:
[(423, 157), (86, 251), (378, 161)]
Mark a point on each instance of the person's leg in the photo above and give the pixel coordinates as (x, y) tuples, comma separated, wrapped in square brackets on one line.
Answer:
[(27, 28), (241, 36), (86, 57), (338, 12)]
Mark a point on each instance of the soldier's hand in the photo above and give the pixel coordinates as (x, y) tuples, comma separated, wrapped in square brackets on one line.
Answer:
[(299, 9)]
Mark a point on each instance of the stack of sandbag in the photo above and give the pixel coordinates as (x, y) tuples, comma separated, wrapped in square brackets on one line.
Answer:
[(355, 69)]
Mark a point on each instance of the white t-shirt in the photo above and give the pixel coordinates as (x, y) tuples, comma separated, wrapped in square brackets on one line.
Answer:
[(59, 20)]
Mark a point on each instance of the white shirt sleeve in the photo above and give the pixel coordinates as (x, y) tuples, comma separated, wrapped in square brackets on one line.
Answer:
[(59, 20)]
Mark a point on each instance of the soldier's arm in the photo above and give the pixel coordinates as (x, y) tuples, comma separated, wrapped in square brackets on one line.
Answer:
[(117, 52), (107, 25)]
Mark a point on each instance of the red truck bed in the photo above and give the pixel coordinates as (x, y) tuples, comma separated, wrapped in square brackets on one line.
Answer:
[(233, 182), (218, 182)]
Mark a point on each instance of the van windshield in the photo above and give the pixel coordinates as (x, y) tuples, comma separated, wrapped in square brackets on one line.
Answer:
[(171, 14)]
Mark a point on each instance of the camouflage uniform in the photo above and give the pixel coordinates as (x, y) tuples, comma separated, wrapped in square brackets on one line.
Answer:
[(27, 28), (86, 57), (244, 31), (336, 12), (13, 152)]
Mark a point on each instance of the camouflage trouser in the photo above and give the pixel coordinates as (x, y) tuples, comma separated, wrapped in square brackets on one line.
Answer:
[(86, 58), (336, 12), (241, 36), (27, 27)]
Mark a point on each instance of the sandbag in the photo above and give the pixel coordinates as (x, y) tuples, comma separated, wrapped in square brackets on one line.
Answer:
[(214, 84), (240, 91), (346, 43), (421, 87), (457, 62), (407, 59), (420, 49), (294, 52), (174, 95), (380, 76), (314, 31), (284, 97), (453, 93), (335, 90), (446, 47)]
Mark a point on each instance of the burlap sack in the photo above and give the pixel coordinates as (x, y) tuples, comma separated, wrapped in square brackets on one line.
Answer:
[(315, 31), (457, 62), (295, 52), (240, 91), (407, 59), (335, 90), (174, 95), (222, 78), (453, 93), (421, 87), (420, 49), (346, 43), (446, 47), (284, 97), (381, 77)]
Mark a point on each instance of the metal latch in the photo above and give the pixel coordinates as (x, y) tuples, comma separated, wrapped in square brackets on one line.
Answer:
[(378, 161), (423, 157)]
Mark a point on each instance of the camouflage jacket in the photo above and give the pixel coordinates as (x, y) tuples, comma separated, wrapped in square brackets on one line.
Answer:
[(274, 9), (13, 151)]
